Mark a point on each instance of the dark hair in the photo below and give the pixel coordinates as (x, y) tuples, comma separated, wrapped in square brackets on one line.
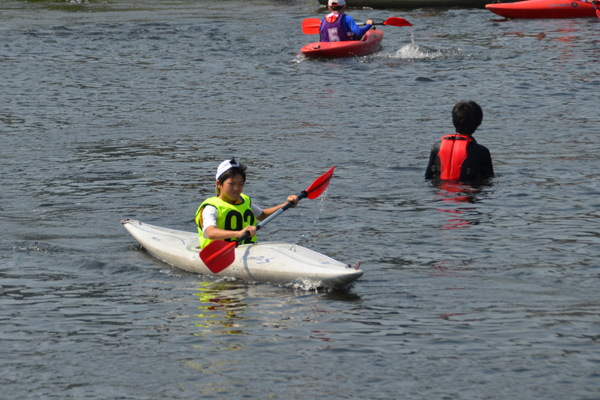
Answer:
[(466, 117), (231, 172)]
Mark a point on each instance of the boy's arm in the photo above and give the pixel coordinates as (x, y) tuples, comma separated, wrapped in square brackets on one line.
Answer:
[(350, 26), (214, 233), (268, 211), (488, 163), (432, 157)]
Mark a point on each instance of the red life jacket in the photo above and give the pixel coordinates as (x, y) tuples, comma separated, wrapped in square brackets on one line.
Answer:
[(452, 155)]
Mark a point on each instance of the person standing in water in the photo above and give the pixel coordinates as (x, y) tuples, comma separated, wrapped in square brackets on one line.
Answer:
[(459, 157)]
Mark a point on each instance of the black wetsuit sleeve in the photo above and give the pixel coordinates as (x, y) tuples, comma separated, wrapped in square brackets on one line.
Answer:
[(488, 167), (434, 167), (478, 164)]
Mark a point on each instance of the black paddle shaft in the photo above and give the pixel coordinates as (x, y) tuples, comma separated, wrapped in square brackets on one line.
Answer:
[(301, 196)]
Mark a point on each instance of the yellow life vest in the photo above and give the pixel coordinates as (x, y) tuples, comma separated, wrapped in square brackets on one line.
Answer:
[(231, 217)]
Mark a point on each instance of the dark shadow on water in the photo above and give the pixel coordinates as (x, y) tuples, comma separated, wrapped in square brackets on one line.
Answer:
[(342, 295)]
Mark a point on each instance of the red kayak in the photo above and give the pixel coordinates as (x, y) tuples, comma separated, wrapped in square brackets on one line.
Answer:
[(369, 43), (544, 9)]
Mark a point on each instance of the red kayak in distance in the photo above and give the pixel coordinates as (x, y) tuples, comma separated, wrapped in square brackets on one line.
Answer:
[(369, 43), (544, 9)]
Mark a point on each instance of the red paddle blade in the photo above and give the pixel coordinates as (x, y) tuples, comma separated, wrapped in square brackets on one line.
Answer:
[(597, 13), (320, 184), (396, 21), (310, 26), (218, 255)]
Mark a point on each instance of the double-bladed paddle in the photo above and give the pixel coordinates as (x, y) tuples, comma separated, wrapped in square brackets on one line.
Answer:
[(219, 254), (596, 8), (310, 26)]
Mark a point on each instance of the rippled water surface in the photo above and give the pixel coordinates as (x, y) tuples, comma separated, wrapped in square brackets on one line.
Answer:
[(124, 109)]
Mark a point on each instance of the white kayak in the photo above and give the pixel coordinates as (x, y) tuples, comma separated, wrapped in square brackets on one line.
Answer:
[(271, 262)]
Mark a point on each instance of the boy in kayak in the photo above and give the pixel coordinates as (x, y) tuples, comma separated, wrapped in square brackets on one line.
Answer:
[(459, 157), (230, 214), (339, 27)]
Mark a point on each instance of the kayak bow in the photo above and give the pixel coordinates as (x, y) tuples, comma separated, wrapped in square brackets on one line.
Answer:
[(544, 9)]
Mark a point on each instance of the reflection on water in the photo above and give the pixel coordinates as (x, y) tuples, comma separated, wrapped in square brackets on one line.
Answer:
[(455, 192), (221, 308), (459, 196)]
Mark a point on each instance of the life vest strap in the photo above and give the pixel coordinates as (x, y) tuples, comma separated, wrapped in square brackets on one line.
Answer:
[(332, 17)]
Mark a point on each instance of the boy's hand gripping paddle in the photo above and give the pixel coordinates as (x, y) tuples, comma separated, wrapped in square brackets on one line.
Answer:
[(219, 254), (310, 26)]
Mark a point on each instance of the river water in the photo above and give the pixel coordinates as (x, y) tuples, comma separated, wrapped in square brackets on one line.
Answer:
[(124, 109)]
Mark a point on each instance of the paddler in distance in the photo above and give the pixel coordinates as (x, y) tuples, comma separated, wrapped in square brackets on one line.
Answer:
[(339, 27), (231, 214), (459, 157)]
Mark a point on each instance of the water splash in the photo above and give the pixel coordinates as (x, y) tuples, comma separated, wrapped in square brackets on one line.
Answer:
[(321, 206), (299, 58), (308, 237), (414, 52)]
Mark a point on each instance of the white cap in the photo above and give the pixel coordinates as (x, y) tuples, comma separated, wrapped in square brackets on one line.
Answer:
[(224, 167), (333, 3)]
